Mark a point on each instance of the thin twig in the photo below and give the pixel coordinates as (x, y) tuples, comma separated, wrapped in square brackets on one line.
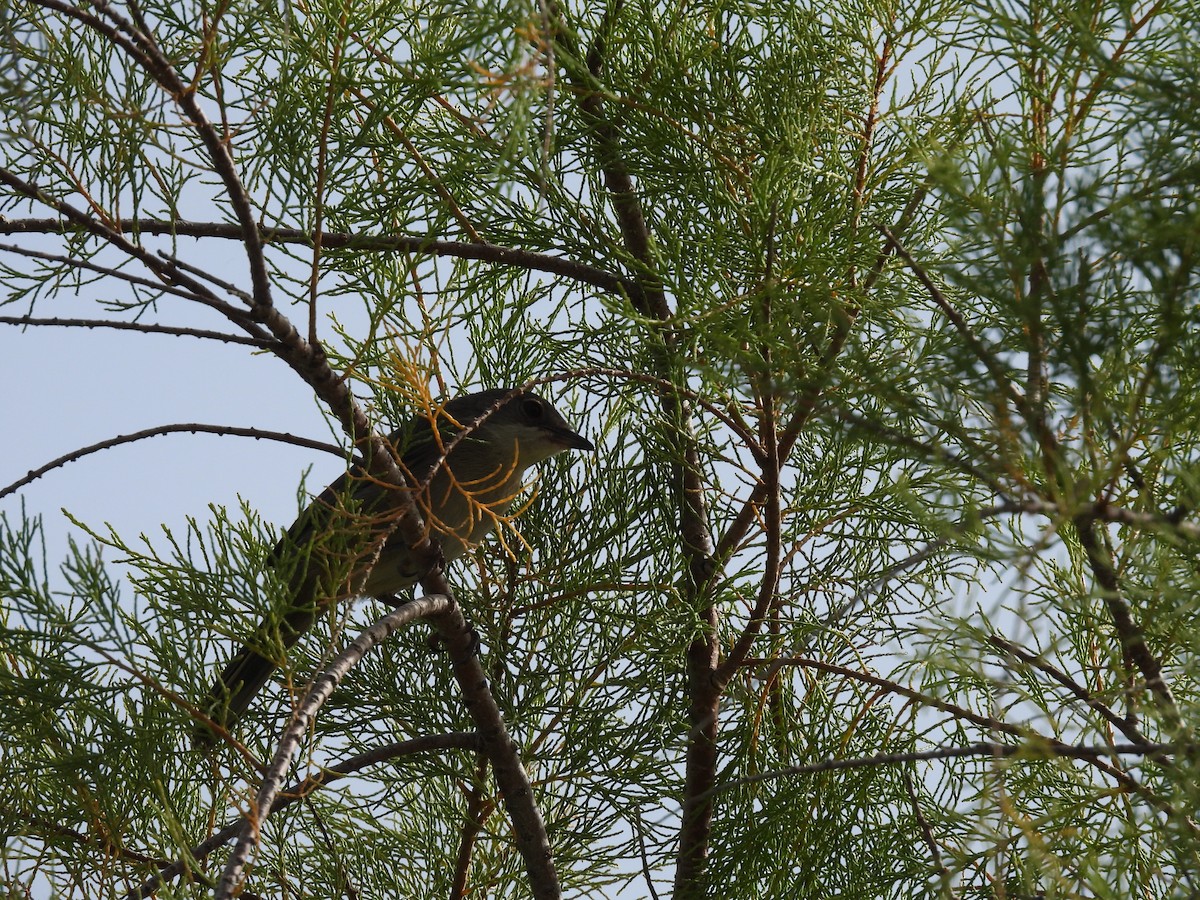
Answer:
[(1126, 728), (926, 831), (1032, 751), (1133, 642), (645, 864), (226, 286), (88, 265), (170, 274), (932, 451), (982, 353), (143, 327), (47, 830), (332, 847), (189, 427), (987, 722)]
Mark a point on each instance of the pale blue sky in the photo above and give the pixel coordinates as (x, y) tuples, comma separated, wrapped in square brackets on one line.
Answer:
[(70, 387)]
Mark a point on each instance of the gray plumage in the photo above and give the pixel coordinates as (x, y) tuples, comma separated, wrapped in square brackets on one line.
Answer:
[(335, 540)]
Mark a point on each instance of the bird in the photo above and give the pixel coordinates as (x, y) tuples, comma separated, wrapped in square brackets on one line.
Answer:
[(465, 463)]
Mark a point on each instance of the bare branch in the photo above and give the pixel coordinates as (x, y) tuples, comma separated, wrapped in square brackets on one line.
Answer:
[(302, 789), (231, 289), (108, 271), (1032, 751), (190, 427), (141, 327), (168, 273), (323, 685)]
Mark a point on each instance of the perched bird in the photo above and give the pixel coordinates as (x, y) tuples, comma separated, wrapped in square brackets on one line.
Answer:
[(464, 477)]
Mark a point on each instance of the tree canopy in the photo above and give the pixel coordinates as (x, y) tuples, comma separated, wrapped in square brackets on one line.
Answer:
[(883, 581)]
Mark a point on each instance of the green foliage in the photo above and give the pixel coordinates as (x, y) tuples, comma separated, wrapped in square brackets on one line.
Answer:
[(931, 280)]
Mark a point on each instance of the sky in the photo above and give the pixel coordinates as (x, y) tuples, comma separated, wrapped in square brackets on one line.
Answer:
[(71, 387)]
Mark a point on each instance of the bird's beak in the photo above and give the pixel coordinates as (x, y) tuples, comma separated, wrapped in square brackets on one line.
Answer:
[(570, 440)]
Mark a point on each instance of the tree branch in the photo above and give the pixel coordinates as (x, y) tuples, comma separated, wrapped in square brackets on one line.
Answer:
[(169, 273), (703, 653), (1031, 751), (982, 353), (300, 790), (481, 252), (189, 427), (926, 831), (1126, 728), (88, 265), (892, 687), (293, 734), (141, 327), (1133, 642), (473, 822), (529, 829)]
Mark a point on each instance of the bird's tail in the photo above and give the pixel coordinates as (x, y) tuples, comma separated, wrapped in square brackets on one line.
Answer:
[(248, 673), (318, 558)]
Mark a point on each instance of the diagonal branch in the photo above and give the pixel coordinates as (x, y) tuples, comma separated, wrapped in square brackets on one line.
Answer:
[(425, 607), (1133, 641), (301, 790), (88, 265), (981, 352), (147, 54), (169, 273), (892, 687), (1124, 726)]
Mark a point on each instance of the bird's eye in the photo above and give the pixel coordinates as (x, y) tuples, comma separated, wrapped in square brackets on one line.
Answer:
[(533, 409)]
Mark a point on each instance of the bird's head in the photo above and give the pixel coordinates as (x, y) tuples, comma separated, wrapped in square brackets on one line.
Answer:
[(523, 422)]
